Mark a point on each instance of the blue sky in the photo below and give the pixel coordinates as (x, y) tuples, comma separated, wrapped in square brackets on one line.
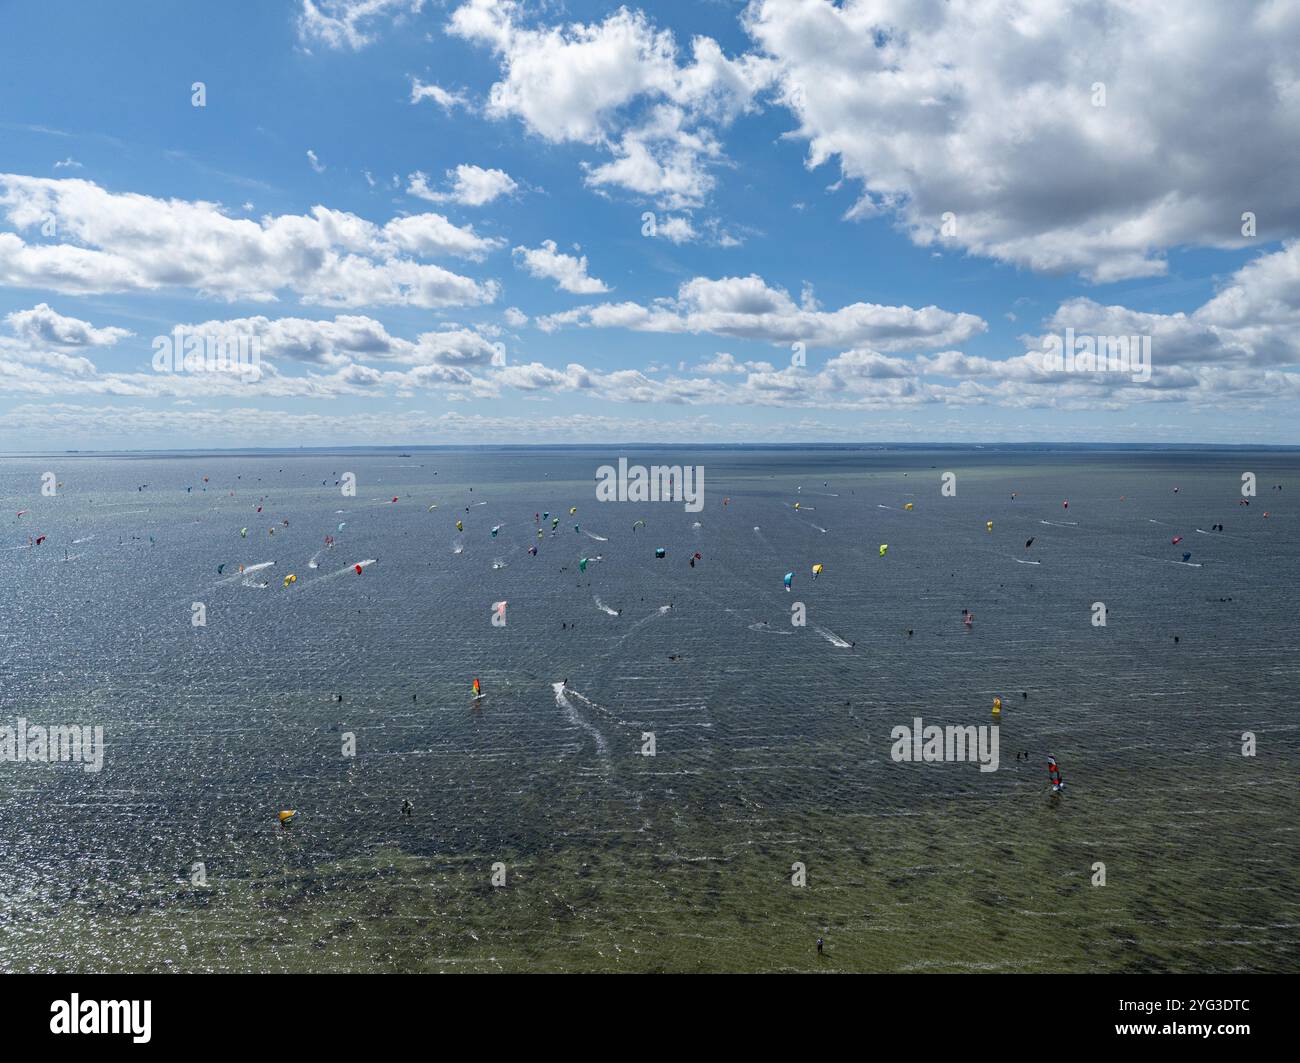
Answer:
[(798, 158)]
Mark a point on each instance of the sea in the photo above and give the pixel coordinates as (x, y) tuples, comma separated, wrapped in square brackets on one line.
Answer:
[(673, 767)]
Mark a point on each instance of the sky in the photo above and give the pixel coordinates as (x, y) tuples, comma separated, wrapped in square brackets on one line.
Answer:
[(777, 221)]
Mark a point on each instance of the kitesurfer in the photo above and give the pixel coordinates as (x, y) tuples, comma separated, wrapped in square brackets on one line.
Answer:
[(407, 808)]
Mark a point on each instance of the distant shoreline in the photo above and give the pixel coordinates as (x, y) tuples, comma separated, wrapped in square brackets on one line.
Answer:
[(443, 448)]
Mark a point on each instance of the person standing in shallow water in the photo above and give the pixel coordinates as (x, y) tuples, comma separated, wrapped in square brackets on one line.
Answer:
[(820, 946)]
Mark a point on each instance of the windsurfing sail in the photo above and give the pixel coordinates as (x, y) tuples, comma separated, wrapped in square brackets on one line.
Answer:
[(884, 549), (1176, 540), (1054, 774), (582, 564), (907, 505), (478, 689), (1187, 555), (1029, 542), (988, 525), (660, 551), (816, 570), (789, 579)]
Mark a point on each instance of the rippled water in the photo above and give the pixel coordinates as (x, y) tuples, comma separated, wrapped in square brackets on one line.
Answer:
[(772, 740)]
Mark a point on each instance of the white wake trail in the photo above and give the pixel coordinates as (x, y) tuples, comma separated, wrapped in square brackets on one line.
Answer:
[(562, 700), (832, 638)]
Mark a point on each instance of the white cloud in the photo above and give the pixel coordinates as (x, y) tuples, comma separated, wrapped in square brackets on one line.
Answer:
[(722, 363), (41, 324), (747, 308), (471, 186), (985, 110), (515, 317), (617, 85), (568, 272), (678, 229), (314, 161), (444, 98), (339, 24), (129, 242)]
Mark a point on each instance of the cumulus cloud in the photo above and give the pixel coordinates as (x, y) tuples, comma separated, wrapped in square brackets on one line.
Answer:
[(347, 339), (617, 85), (470, 186), (723, 363), (987, 111), (129, 242), (41, 324), (677, 229), (568, 272), (748, 308)]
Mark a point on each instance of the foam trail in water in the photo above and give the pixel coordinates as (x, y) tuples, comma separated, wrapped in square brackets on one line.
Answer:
[(605, 608), (562, 700), (832, 638), (598, 538), (1022, 561)]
